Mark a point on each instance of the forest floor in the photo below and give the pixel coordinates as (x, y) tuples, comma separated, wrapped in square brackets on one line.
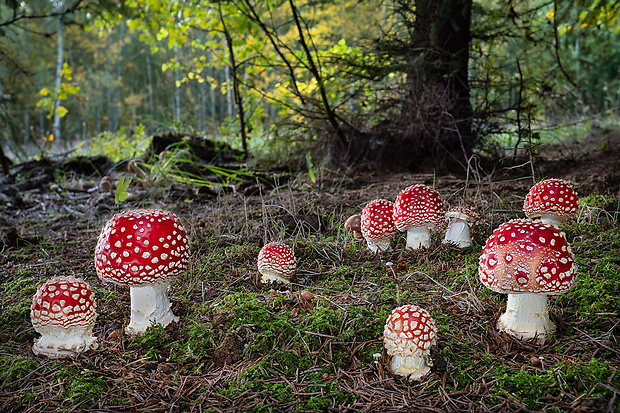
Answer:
[(243, 346)]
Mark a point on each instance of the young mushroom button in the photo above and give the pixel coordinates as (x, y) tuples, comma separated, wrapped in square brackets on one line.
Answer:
[(551, 200), (408, 336), (459, 221), (418, 210), (63, 311), (354, 224), (276, 263), (378, 225), (143, 249), (527, 260)]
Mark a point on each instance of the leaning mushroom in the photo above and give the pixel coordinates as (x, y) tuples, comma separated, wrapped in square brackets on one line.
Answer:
[(143, 249), (527, 260), (408, 336), (551, 200), (354, 224), (276, 263), (64, 311), (418, 210), (378, 225), (460, 220)]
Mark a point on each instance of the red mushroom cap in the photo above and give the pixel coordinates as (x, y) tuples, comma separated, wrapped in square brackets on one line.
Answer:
[(377, 221), (551, 196), (409, 331), (63, 302), (526, 256), (141, 247), (418, 205), (277, 258)]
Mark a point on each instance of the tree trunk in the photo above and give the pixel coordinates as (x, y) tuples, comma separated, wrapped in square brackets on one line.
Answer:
[(59, 64), (177, 88), (437, 77)]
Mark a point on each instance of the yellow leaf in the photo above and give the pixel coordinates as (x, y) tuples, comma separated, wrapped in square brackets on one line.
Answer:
[(190, 75), (551, 13), (49, 138), (44, 92), (61, 111), (583, 25)]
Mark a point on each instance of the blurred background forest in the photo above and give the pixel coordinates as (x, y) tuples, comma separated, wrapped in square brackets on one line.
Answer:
[(346, 81)]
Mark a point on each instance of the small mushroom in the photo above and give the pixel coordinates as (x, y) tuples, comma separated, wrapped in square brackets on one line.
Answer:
[(106, 184), (378, 225), (143, 249), (527, 260), (64, 312), (408, 336), (276, 263), (354, 224), (460, 219), (418, 209), (552, 200)]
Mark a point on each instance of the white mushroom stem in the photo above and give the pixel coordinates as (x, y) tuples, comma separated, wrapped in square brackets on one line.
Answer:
[(413, 367), (552, 219), (379, 245), (271, 276), (58, 342), (458, 233), (149, 303), (418, 237), (527, 316)]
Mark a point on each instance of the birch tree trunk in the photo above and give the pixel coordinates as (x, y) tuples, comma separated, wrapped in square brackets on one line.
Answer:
[(177, 88), (59, 64)]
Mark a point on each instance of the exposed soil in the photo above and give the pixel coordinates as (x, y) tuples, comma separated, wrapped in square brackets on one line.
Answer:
[(51, 230)]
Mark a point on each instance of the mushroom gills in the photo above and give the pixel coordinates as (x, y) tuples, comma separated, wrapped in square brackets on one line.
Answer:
[(149, 304), (268, 276), (412, 367), (551, 219), (418, 237), (379, 245), (458, 234), (527, 317), (58, 342)]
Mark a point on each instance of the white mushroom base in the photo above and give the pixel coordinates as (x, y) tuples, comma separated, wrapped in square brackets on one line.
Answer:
[(271, 277), (418, 237), (149, 304), (411, 367), (527, 317), (379, 245), (58, 342), (458, 234)]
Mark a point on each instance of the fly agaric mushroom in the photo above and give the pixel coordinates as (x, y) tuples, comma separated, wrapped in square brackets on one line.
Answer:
[(408, 336), (552, 200), (527, 260), (378, 225), (64, 312), (418, 210), (276, 263), (354, 224), (142, 249), (460, 219)]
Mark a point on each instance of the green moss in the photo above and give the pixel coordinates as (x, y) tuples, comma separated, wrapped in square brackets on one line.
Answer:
[(529, 386), (16, 367)]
